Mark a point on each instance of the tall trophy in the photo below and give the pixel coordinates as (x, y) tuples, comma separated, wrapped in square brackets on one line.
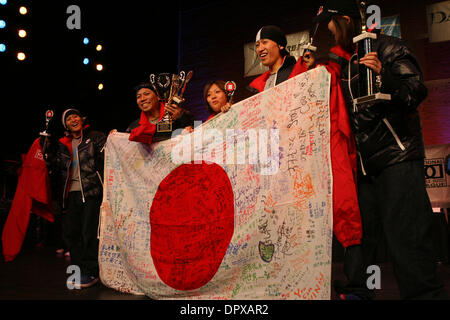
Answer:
[(369, 86), (170, 89), (48, 117), (309, 46)]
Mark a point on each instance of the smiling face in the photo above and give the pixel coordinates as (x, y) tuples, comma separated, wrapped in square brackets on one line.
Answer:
[(216, 98), (74, 124), (269, 53), (146, 100)]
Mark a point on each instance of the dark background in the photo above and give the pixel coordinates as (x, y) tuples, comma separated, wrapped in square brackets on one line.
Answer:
[(138, 38), (144, 37)]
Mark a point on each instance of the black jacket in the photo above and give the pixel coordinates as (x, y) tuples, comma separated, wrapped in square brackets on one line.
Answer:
[(91, 159), (388, 133)]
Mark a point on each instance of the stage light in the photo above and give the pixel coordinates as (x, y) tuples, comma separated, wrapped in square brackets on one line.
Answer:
[(99, 47), (86, 41), (3, 2), (86, 61), (21, 56), (99, 67), (2, 24), (22, 33), (2, 47), (23, 10), (100, 87)]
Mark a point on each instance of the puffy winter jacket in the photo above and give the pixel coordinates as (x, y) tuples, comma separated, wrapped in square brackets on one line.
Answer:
[(389, 132), (91, 159)]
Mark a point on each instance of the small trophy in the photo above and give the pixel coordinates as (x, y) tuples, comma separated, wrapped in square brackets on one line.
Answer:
[(230, 89), (369, 86), (48, 117), (170, 89)]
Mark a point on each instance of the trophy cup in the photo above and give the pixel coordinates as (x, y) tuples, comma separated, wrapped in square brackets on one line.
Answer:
[(369, 86), (170, 89)]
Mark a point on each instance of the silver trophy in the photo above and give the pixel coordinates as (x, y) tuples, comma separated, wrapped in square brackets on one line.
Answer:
[(170, 89), (369, 85)]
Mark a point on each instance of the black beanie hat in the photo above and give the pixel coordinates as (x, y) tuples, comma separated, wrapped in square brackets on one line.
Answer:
[(275, 34), (67, 113), (146, 85), (338, 8)]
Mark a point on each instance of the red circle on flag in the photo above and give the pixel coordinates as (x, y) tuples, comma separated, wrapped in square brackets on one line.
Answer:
[(192, 223)]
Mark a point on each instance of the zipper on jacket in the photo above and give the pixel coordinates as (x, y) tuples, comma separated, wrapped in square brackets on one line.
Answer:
[(362, 164), (79, 174), (79, 170), (397, 139), (99, 178), (65, 185)]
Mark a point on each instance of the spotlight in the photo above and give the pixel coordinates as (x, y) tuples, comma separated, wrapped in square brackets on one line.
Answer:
[(99, 47), (2, 47), (2, 24), (22, 33), (99, 67), (100, 87), (21, 56), (86, 41), (86, 61), (3, 2), (23, 10)]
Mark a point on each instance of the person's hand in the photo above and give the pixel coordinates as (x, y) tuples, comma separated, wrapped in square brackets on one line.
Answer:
[(175, 111), (226, 107), (371, 61), (187, 130), (309, 59)]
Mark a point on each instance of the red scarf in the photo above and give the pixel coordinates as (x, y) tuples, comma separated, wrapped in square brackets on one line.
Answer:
[(146, 130)]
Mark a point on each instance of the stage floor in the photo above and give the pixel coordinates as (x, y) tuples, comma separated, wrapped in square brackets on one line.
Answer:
[(38, 273)]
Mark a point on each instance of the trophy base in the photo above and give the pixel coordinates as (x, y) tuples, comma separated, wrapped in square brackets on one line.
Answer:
[(372, 99), (44, 134), (309, 47), (164, 127)]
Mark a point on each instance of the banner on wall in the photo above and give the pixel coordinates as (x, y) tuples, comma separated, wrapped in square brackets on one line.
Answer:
[(438, 17), (436, 178), (239, 209), (253, 65), (391, 26)]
